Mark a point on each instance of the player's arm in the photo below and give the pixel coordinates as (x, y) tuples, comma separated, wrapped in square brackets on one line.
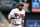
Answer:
[(11, 14), (22, 24), (10, 17)]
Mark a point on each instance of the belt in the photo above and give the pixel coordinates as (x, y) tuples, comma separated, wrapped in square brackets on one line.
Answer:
[(16, 24)]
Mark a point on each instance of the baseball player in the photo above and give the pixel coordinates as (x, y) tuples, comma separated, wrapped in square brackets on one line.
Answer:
[(16, 15)]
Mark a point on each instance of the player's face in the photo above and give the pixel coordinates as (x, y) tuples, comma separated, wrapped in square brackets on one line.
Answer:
[(20, 7)]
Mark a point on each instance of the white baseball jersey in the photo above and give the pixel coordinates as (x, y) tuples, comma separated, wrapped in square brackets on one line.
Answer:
[(16, 13)]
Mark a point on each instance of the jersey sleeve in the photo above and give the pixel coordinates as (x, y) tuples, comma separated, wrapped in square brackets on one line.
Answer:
[(22, 21), (11, 13)]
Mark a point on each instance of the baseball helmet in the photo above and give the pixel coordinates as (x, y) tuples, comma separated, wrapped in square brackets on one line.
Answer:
[(20, 5)]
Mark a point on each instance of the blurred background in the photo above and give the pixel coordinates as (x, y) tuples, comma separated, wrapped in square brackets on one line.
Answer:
[(36, 6), (33, 19), (7, 5)]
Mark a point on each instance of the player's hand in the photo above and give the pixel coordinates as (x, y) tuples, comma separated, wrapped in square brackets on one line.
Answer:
[(22, 25), (11, 17), (17, 17)]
